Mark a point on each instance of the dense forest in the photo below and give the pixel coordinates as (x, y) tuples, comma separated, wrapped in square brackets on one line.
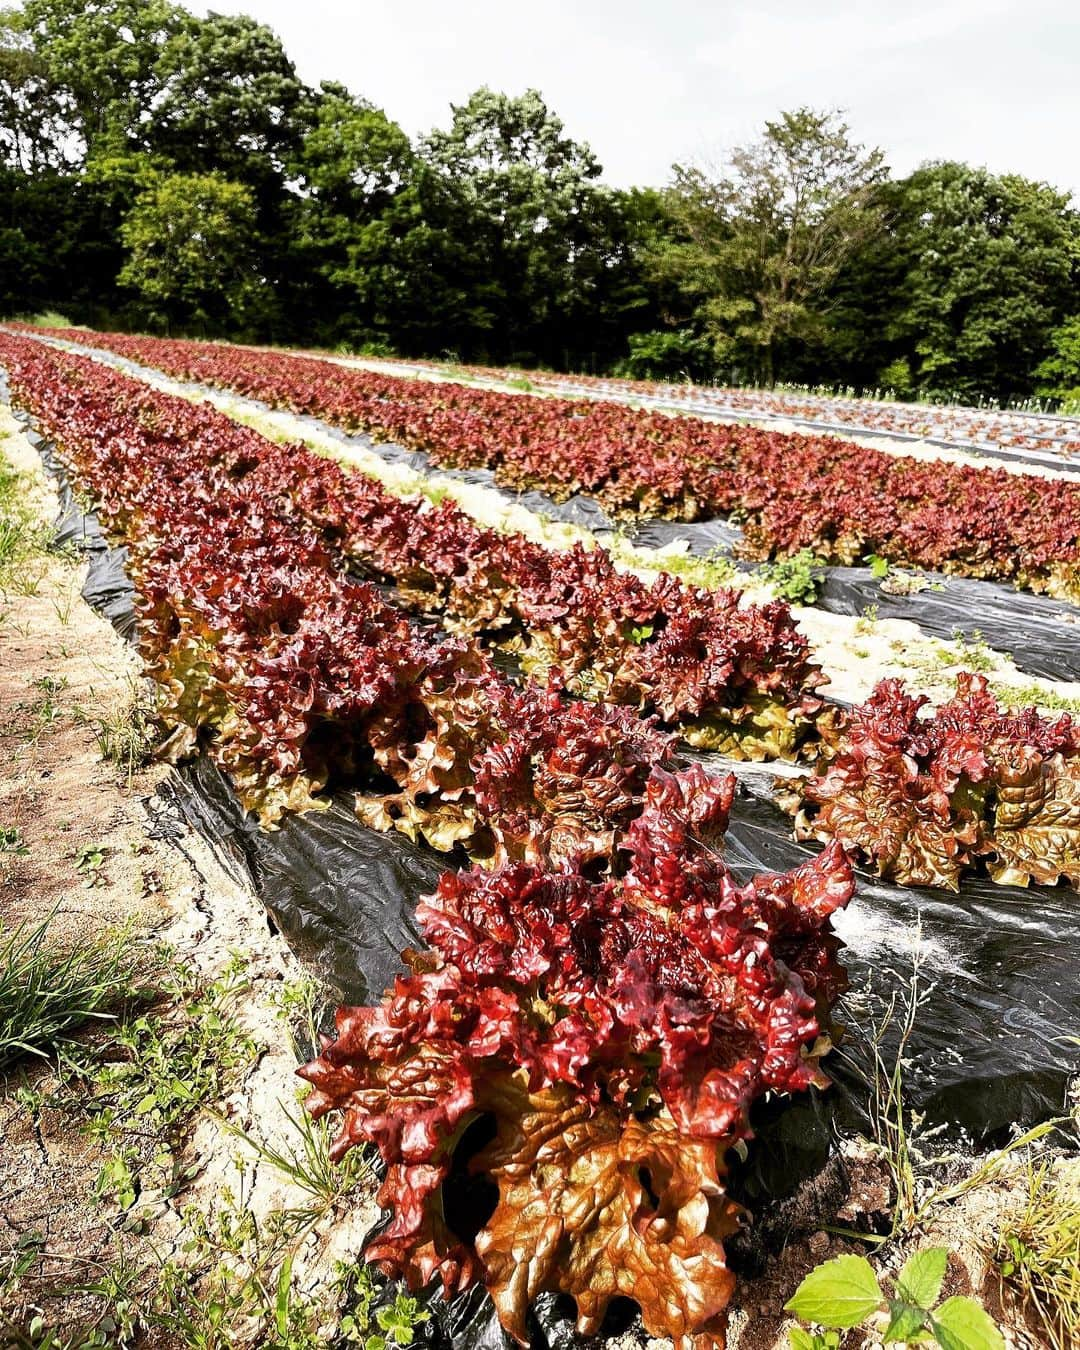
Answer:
[(169, 173)]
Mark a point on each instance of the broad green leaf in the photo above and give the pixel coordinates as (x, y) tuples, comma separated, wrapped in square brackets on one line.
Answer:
[(801, 1339), (921, 1278), (905, 1321), (840, 1293), (960, 1324)]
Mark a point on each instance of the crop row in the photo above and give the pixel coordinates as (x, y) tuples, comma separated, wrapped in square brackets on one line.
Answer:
[(789, 492), (297, 674), (1006, 429), (729, 677), (616, 1025), (711, 669), (928, 798)]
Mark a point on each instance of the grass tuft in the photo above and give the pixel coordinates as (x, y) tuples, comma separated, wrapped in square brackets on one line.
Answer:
[(23, 538), (128, 732), (1039, 1254), (46, 994)]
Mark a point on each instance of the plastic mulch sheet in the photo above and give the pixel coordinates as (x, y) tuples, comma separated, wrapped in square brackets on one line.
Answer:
[(1041, 634)]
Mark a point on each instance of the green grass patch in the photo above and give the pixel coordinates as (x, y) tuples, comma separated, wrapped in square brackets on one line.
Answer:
[(24, 538), (47, 994), (1039, 1254), (1034, 695)]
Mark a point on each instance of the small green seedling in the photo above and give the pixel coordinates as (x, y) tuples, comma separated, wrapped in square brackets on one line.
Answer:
[(845, 1293), (397, 1322), (796, 579), (879, 566), (89, 862), (11, 841)]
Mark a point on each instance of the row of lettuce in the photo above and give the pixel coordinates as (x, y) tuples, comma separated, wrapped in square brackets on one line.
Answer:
[(608, 993), (1000, 428), (789, 492)]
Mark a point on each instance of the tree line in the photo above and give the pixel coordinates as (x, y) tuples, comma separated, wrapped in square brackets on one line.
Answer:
[(167, 172)]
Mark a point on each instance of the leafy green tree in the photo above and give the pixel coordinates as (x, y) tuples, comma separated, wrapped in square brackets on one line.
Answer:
[(62, 249), (351, 225), (101, 58), (24, 263), (1060, 372), (990, 272), (193, 256), (760, 241), (229, 100), (666, 355), (615, 296), (35, 115), (521, 198), (353, 158)]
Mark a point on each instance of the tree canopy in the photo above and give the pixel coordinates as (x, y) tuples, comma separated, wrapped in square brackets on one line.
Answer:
[(760, 241)]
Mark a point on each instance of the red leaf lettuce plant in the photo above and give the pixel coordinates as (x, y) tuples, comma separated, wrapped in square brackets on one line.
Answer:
[(614, 1034), (927, 798)]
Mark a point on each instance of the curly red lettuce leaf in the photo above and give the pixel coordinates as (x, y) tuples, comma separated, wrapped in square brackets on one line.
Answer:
[(927, 798)]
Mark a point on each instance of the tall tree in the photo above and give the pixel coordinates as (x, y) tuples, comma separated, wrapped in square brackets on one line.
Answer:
[(35, 113), (523, 197), (229, 100), (192, 253), (761, 239), (990, 270), (1059, 373), (351, 166), (102, 57)]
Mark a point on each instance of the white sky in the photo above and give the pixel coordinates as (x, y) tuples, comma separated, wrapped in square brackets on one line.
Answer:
[(647, 82)]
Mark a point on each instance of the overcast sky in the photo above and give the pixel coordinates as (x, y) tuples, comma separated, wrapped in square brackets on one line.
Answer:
[(647, 82)]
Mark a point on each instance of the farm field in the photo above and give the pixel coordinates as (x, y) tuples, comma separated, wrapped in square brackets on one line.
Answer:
[(687, 787), (840, 500)]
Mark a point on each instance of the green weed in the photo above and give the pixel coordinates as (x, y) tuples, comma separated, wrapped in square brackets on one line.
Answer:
[(1039, 1254), (1034, 695), (12, 841), (974, 652), (845, 1292), (47, 994), (127, 733), (796, 579), (159, 1069), (305, 1161)]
